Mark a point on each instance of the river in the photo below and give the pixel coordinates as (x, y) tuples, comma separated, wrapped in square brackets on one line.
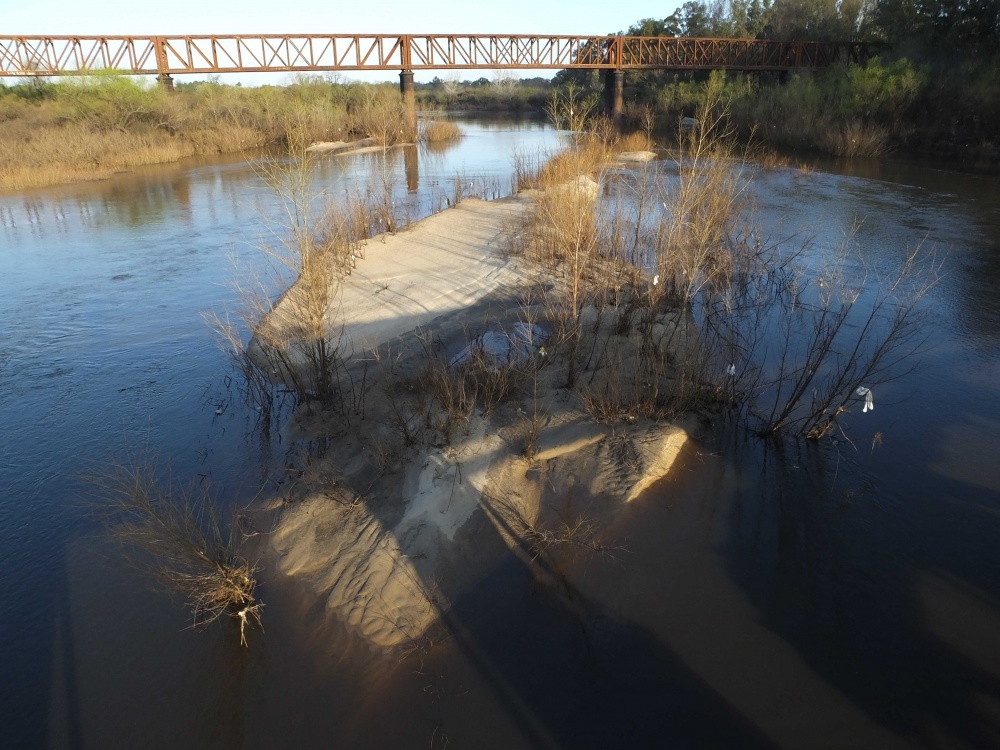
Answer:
[(772, 596)]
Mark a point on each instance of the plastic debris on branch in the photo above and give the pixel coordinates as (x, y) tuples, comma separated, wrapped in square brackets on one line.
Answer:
[(869, 401)]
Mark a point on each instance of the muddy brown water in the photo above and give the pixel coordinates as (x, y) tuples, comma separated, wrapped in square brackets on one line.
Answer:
[(764, 596)]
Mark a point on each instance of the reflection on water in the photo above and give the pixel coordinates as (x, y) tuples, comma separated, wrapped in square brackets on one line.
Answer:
[(844, 595)]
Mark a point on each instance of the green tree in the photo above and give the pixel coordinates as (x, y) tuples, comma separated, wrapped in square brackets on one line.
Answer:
[(669, 26), (693, 19)]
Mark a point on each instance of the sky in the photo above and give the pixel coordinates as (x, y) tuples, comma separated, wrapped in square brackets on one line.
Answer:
[(133, 17)]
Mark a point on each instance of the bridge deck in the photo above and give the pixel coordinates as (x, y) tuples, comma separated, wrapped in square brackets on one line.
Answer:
[(246, 53)]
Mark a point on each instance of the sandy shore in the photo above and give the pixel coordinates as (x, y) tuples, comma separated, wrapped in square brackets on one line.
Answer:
[(345, 148), (389, 527), (446, 263)]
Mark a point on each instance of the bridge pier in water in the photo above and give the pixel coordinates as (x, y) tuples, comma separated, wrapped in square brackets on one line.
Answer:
[(409, 94), (614, 95)]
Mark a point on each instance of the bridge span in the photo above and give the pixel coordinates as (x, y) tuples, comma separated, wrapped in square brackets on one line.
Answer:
[(262, 53), (166, 56)]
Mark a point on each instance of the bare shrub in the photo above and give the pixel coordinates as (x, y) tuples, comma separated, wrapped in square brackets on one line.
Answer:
[(177, 535), (670, 299), (449, 390), (843, 333), (854, 138), (294, 335), (569, 108), (481, 381), (295, 339), (526, 169), (380, 114)]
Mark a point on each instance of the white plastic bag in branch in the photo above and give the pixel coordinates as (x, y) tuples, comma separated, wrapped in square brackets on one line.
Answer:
[(869, 401)]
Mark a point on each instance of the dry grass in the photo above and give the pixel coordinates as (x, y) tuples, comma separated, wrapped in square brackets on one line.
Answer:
[(94, 127), (457, 390), (439, 131), (768, 158), (855, 139), (554, 533), (588, 158), (67, 153), (637, 141), (31, 157)]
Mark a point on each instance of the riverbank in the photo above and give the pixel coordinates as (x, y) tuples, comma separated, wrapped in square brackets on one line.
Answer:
[(412, 504), (92, 127)]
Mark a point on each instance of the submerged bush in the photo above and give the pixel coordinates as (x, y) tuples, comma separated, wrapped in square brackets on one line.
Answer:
[(178, 537)]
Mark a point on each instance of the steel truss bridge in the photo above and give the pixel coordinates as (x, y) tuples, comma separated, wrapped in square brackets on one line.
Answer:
[(166, 56)]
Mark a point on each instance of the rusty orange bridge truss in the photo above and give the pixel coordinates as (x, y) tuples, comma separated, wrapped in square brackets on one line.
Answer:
[(260, 53)]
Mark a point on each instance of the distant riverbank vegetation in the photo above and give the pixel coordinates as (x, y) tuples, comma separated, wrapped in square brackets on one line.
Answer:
[(500, 93), (933, 87), (89, 127)]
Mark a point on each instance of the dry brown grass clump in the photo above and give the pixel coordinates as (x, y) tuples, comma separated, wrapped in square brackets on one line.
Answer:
[(588, 158), (636, 141), (91, 127), (439, 131), (856, 138), (768, 158), (30, 157)]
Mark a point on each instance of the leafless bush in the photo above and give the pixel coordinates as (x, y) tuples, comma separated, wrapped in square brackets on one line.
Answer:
[(381, 114), (481, 381), (449, 391), (311, 248), (844, 332), (569, 108), (856, 138), (177, 535)]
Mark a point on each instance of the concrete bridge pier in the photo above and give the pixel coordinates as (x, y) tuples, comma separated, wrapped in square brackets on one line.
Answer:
[(409, 94), (166, 82), (614, 95)]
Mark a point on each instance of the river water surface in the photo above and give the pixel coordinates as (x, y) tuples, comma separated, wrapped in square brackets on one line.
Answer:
[(772, 596)]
